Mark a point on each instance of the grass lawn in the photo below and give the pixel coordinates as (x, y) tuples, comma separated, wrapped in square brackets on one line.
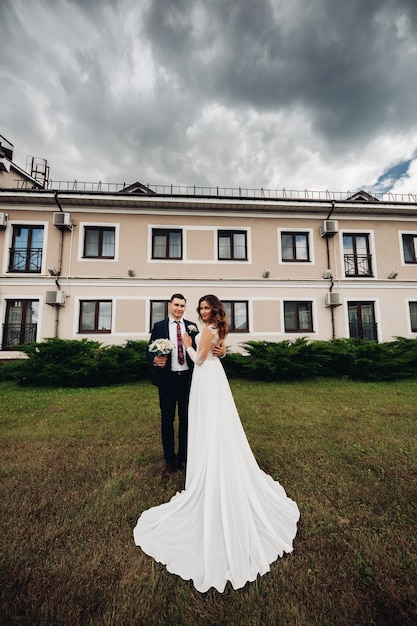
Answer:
[(78, 466)]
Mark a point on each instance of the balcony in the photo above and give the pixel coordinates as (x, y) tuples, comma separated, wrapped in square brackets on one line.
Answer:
[(25, 260), (358, 265), (363, 330), (18, 334)]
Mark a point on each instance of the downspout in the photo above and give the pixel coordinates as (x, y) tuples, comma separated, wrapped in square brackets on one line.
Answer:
[(331, 276), (61, 243), (61, 247)]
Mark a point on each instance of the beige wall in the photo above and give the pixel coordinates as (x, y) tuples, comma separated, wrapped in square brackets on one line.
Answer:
[(129, 315), (200, 272), (200, 244), (266, 315), (12, 180)]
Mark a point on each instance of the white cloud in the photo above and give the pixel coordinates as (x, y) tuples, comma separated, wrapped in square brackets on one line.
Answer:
[(407, 184)]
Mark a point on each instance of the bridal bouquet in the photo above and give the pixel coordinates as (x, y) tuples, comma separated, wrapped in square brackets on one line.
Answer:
[(161, 347)]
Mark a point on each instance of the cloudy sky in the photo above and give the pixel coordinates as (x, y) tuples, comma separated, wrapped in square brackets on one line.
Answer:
[(295, 94)]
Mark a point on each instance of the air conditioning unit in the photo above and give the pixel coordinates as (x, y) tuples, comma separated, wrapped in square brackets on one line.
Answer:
[(62, 220), (329, 228), (333, 298), (55, 297), (3, 220)]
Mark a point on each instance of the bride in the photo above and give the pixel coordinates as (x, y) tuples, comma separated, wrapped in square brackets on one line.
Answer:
[(232, 520)]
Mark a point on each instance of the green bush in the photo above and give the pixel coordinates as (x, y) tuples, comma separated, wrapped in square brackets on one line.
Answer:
[(283, 360), (9, 370), (83, 363), (368, 360), (301, 359)]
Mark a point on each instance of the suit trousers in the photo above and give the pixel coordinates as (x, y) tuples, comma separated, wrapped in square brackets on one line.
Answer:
[(175, 394)]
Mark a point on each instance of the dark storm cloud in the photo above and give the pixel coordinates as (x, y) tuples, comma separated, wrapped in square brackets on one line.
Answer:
[(265, 92), (346, 62)]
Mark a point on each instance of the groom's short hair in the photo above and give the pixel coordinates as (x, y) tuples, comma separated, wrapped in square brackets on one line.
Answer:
[(177, 295)]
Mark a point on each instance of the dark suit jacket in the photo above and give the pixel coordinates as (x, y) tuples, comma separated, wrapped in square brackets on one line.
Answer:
[(160, 375)]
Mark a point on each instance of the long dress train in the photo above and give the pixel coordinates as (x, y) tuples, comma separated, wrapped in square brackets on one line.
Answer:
[(232, 520)]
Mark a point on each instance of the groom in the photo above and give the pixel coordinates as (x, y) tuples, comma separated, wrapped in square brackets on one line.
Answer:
[(172, 376)]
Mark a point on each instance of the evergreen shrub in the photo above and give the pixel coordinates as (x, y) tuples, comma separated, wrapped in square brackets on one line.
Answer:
[(82, 363), (300, 359), (85, 363), (9, 370)]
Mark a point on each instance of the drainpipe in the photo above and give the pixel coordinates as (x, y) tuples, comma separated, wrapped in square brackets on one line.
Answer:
[(61, 243), (331, 277), (61, 246)]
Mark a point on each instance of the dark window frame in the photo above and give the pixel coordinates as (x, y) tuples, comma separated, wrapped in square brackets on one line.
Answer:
[(228, 233), (294, 235), (153, 318), (413, 315), (101, 230), (297, 304), (353, 262), (167, 233), (28, 255), (358, 329), (95, 330), (232, 317), (22, 332), (410, 251)]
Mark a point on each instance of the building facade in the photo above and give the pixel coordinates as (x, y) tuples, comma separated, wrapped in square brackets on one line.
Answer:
[(100, 264)]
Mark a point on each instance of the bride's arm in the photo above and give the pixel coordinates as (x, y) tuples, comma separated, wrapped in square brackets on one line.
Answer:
[(203, 349)]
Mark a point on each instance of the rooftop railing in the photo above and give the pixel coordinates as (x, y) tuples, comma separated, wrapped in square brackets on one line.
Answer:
[(222, 192)]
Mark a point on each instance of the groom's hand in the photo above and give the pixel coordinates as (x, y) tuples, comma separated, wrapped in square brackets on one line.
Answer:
[(219, 351), (160, 361)]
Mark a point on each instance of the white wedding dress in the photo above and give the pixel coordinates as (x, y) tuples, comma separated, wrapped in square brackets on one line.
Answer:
[(232, 520)]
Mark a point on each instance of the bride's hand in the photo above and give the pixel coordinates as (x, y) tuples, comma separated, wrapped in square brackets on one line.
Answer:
[(186, 340)]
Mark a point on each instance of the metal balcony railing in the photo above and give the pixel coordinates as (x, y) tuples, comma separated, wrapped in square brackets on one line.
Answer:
[(363, 330), (18, 334), (25, 260), (358, 265)]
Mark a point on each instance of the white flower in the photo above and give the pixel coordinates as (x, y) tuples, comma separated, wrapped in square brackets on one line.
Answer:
[(192, 328), (161, 347)]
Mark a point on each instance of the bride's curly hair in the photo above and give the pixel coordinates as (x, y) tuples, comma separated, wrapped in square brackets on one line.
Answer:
[(218, 314)]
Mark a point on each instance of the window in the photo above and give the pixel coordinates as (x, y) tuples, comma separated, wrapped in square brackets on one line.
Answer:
[(232, 245), (298, 317), (237, 316), (356, 255), (26, 250), (21, 323), (95, 316), (410, 248), (413, 316), (99, 242), (166, 244), (295, 247), (159, 311), (362, 321)]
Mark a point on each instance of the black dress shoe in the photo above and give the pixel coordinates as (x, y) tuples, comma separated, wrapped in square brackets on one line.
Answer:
[(182, 465), (170, 469)]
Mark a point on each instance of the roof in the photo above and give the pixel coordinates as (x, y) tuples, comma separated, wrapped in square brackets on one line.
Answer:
[(188, 204)]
